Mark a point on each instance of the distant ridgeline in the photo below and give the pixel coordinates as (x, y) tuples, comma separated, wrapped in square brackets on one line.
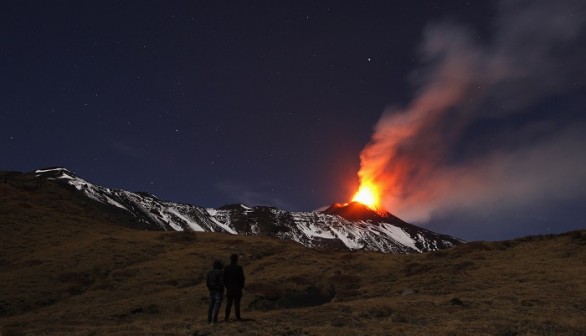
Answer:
[(352, 226)]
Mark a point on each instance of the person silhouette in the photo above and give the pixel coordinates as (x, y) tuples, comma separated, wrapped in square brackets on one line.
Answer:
[(234, 282), (215, 284)]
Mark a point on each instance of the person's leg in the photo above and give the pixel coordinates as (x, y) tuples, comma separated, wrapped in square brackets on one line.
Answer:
[(211, 307), (237, 305), (229, 300), (217, 305)]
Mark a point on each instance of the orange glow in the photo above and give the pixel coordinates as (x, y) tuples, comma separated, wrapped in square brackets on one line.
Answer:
[(368, 195)]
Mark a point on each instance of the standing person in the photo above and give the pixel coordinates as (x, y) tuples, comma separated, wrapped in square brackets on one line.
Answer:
[(215, 283), (234, 282)]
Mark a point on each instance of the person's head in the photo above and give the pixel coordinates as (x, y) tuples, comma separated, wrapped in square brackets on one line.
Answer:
[(218, 264), (234, 258)]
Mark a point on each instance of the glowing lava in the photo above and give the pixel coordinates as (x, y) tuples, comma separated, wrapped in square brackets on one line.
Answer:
[(368, 195)]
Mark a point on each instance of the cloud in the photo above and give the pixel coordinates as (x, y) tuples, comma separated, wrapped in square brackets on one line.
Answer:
[(495, 123), (544, 171)]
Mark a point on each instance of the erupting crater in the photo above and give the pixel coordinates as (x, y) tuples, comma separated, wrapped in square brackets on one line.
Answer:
[(356, 211), (365, 205), (368, 194)]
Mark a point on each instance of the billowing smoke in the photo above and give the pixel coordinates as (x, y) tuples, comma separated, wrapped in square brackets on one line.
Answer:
[(497, 120)]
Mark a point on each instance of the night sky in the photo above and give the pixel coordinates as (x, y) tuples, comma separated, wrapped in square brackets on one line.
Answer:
[(273, 102)]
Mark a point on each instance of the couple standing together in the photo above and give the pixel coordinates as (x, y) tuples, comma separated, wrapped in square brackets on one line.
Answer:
[(231, 277)]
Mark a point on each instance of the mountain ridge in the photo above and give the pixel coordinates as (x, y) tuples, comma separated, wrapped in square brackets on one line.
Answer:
[(68, 267), (351, 227)]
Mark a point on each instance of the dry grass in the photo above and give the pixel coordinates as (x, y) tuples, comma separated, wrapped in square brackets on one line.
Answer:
[(66, 267)]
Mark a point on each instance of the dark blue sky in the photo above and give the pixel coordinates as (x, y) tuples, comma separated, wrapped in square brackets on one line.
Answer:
[(260, 102)]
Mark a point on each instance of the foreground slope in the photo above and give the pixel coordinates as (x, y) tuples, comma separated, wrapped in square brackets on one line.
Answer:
[(67, 268), (332, 229)]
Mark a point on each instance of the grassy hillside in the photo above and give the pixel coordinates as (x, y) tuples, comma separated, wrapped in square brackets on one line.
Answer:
[(68, 267)]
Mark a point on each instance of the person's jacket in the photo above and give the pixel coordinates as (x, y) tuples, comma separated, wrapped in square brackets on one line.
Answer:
[(234, 278), (215, 281)]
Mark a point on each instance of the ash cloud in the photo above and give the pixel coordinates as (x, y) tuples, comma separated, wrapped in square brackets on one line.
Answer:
[(496, 123)]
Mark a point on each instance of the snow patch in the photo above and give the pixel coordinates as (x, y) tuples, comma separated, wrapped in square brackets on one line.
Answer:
[(116, 204), (193, 225), (224, 226), (399, 235), (343, 236)]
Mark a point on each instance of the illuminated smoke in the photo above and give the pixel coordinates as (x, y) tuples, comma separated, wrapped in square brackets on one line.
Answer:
[(433, 156)]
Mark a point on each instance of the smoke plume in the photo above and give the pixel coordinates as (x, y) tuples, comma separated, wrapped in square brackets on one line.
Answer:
[(496, 121)]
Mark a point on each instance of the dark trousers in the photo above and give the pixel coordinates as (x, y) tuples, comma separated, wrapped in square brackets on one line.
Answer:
[(215, 304), (233, 297)]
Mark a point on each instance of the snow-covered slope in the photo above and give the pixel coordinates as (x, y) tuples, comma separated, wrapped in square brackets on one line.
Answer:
[(332, 228)]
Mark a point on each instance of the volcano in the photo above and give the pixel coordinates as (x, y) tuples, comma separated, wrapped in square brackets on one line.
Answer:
[(356, 211), (352, 226)]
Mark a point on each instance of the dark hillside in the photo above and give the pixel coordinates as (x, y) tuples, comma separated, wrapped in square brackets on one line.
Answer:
[(68, 268)]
